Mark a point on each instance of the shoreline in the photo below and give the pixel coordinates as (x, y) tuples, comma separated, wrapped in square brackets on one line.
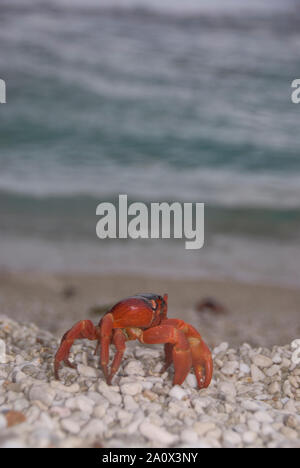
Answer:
[(261, 315)]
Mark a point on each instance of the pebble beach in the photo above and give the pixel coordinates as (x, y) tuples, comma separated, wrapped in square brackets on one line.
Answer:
[(253, 400)]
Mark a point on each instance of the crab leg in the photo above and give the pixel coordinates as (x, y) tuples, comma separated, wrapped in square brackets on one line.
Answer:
[(168, 357), (181, 354), (119, 340), (82, 329), (106, 329)]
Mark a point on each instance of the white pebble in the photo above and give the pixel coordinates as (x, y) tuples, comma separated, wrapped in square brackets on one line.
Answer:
[(21, 404), (200, 404), (256, 374), (177, 392), (147, 385), (85, 404), (96, 398), (273, 371), (263, 416), (43, 393), (289, 433), (267, 429), (191, 380), (228, 388), (132, 388), (251, 405), (249, 437), (94, 428), (157, 434), (134, 368), (87, 371), (290, 406), (277, 359), (230, 367), (100, 410), (18, 376), (254, 425), (231, 438), (70, 425), (32, 415), (262, 361), (130, 403), (189, 436), (244, 368), (141, 352), (108, 392), (221, 348), (285, 363), (203, 428), (81, 403), (274, 388), (133, 426), (74, 388)]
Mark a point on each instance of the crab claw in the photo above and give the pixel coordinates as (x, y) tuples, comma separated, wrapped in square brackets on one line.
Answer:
[(202, 362), (200, 354), (176, 346)]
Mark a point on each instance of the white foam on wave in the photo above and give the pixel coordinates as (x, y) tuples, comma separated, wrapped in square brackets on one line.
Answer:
[(157, 181), (168, 6)]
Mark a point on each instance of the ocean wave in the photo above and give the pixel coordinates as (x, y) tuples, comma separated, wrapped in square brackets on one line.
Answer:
[(157, 181), (170, 7)]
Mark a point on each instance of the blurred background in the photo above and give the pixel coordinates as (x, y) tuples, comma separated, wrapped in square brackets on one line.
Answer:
[(163, 101), (172, 100)]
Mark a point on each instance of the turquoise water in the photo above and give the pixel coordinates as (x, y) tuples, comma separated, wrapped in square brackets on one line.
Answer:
[(178, 101)]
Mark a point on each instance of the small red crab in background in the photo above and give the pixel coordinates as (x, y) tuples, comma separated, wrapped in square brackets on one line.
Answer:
[(143, 317)]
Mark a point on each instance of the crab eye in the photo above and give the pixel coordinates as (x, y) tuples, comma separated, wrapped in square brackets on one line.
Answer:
[(154, 305)]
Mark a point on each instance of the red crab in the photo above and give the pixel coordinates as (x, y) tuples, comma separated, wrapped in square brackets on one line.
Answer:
[(143, 317)]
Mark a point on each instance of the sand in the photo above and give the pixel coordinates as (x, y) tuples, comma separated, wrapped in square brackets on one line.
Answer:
[(260, 315)]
